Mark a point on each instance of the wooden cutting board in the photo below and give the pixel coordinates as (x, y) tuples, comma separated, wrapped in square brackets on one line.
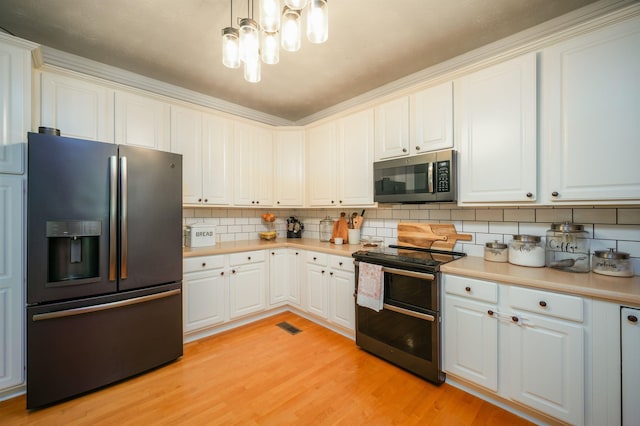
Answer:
[(440, 236), (341, 229)]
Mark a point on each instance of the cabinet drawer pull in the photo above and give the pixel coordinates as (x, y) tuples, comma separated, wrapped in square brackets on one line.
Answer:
[(340, 263), (233, 271), (554, 193), (490, 312), (248, 257), (515, 318), (222, 273), (467, 289), (529, 194), (542, 303), (206, 200), (632, 318), (204, 264)]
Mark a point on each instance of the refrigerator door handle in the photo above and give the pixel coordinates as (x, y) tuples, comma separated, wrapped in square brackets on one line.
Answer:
[(104, 306), (124, 234), (113, 216)]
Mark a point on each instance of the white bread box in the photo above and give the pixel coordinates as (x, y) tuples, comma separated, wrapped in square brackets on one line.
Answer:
[(200, 235)]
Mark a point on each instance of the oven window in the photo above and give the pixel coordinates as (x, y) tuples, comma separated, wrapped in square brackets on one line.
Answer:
[(411, 292), (405, 333)]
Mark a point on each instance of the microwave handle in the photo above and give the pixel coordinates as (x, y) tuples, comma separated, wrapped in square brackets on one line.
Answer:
[(430, 178)]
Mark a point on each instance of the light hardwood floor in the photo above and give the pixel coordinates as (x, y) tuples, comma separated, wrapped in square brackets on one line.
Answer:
[(261, 375)]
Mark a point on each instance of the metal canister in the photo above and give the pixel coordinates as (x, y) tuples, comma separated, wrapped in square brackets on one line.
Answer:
[(567, 247), (326, 229)]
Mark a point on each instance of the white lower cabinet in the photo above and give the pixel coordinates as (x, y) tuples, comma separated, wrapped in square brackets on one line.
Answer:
[(630, 354), (247, 283), (317, 278), (204, 289), (295, 264), (537, 337), (341, 291), (278, 276)]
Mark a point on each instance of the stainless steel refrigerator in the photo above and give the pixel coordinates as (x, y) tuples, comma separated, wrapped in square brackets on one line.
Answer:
[(104, 264)]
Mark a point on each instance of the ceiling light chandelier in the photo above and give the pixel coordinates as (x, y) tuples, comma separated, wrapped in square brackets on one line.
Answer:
[(279, 26)]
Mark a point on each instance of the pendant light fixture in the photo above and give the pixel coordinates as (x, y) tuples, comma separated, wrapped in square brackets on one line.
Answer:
[(279, 26), (230, 45)]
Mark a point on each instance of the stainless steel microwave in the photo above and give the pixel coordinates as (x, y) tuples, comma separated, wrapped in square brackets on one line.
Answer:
[(424, 178)]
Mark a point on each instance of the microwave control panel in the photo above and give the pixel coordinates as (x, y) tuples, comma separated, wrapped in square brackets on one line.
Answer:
[(443, 176)]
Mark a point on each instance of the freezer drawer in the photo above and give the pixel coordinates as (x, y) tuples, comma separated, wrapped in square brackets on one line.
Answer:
[(78, 346)]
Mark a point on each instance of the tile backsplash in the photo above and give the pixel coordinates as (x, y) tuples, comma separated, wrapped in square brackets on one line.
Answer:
[(617, 227)]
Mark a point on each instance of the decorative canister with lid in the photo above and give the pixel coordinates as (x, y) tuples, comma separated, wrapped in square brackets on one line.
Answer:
[(567, 247), (612, 262), (496, 252), (526, 250), (326, 229)]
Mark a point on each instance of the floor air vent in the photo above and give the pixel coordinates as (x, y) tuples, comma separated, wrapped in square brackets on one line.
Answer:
[(288, 327)]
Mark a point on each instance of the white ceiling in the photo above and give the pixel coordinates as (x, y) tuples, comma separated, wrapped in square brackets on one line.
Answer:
[(371, 43)]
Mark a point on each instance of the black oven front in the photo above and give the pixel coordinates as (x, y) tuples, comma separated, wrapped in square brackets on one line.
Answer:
[(406, 332)]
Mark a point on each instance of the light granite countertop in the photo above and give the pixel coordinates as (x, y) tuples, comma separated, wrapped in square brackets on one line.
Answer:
[(614, 289)]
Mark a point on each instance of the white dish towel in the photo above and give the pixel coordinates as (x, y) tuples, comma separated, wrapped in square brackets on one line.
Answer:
[(370, 286)]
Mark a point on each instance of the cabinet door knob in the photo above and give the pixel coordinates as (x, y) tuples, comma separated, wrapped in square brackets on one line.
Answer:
[(529, 195), (277, 202), (248, 257), (233, 271), (340, 201), (340, 263), (257, 202), (331, 273), (404, 149), (199, 200), (514, 318), (323, 271), (297, 253), (467, 289), (204, 264), (632, 318), (555, 193), (542, 303), (273, 253), (315, 258), (206, 200), (490, 312), (222, 273), (417, 148)]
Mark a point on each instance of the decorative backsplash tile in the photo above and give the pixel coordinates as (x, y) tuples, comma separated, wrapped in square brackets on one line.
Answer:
[(609, 227)]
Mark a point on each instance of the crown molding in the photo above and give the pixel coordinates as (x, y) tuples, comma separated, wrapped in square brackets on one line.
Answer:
[(96, 69), (588, 18)]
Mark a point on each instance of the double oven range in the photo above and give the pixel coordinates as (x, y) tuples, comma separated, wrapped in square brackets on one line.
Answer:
[(406, 332)]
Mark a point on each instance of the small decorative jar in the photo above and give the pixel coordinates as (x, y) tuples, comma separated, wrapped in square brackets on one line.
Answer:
[(496, 252), (567, 247), (612, 262), (526, 250)]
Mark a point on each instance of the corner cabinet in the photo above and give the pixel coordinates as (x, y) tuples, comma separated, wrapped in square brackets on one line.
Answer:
[(15, 102), (521, 344), (12, 281), (204, 140), (590, 110), (253, 166), (496, 128)]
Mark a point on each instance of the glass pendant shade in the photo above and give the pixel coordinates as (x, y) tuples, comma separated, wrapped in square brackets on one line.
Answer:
[(270, 15), (230, 48), (295, 4), (252, 72), (318, 21), (291, 30), (270, 47), (249, 44)]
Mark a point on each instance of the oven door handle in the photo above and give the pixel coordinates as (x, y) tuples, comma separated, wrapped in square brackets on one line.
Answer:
[(406, 273), (414, 314)]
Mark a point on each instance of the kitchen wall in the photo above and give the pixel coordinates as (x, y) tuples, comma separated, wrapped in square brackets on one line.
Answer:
[(617, 227)]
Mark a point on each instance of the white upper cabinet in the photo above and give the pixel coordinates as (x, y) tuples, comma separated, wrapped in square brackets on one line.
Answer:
[(392, 129), (355, 156), (432, 119), (15, 102), (204, 142), (496, 130), (322, 165), (141, 121), (340, 161), (289, 168), (253, 166), (590, 116), (79, 108), (415, 124)]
